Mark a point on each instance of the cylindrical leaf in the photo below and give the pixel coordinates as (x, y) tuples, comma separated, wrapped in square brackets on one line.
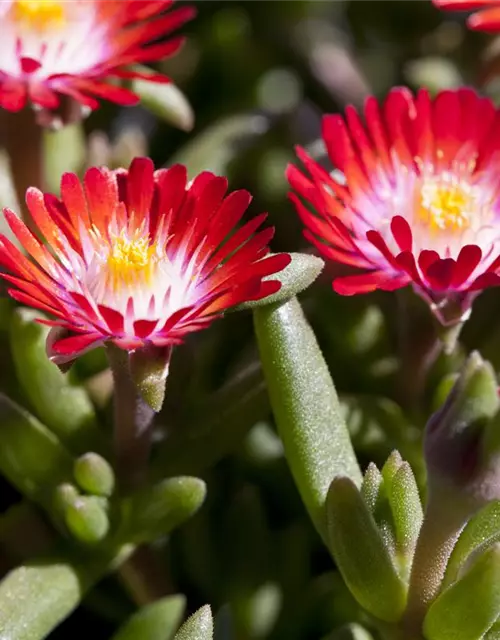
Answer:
[(406, 509), (296, 277), (305, 405), (199, 626), (157, 621), (469, 607), (94, 474), (360, 553), (156, 510), (31, 456), (166, 101), (87, 519), (36, 597), (64, 408), (481, 531)]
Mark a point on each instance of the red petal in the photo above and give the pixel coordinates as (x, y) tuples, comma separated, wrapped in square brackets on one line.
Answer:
[(367, 282), (402, 233), (75, 345), (468, 259)]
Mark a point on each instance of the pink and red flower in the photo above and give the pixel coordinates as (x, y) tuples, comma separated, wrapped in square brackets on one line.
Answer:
[(137, 257), (415, 198), (50, 48), (486, 18)]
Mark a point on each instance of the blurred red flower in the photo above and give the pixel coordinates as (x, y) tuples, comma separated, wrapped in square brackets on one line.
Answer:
[(486, 18), (50, 48)]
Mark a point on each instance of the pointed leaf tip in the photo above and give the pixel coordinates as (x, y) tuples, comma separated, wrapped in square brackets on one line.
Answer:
[(199, 626)]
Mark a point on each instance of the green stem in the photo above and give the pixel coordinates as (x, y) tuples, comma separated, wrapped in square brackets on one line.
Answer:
[(23, 140), (133, 419)]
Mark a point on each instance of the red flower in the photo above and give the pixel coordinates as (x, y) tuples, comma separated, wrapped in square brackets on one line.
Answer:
[(137, 257), (486, 19), (72, 47), (418, 201)]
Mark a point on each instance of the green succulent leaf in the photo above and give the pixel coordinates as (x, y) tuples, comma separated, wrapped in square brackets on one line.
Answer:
[(94, 474), (482, 531), (155, 511), (468, 608), (166, 101), (64, 150), (37, 596), (296, 277), (406, 508), (87, 519), (199, 626), (360, 553), (31, 456), (157, 621), (305, 405), (65, 409)]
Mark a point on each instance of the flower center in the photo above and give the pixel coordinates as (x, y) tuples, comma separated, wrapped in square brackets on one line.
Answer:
[(446, 205), (130, 262), (39, 14)]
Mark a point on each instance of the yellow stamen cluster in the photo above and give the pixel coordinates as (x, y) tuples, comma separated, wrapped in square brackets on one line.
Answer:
[(130, 261), (446, 206), (39, 14)]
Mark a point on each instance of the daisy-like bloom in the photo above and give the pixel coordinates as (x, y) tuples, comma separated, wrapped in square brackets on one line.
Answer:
[(139, 257), (415, 198), (486, 18), (50, 48)]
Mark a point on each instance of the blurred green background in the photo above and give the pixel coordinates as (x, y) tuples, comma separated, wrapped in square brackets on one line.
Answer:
[(259, 74)]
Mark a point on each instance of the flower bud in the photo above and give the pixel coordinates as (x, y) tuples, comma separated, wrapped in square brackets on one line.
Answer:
[(459, 442)]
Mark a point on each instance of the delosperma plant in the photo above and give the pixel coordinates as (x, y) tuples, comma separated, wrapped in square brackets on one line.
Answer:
[(187, 450)]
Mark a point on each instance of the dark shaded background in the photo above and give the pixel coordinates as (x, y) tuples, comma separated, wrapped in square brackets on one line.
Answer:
[(259, 74)]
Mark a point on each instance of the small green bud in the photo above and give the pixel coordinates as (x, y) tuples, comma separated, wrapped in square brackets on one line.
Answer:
[(94, 474), (87, 520)]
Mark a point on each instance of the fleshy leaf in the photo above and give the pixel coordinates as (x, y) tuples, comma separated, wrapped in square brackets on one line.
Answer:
[(360, 553), (64, 408), (87, 519), (199, 626), (166, 101), (155, 511), (37, 596), (305, 405), (482, 531), (31, 456), (157, 621), (297, 276), (94, 474), (468, 608)]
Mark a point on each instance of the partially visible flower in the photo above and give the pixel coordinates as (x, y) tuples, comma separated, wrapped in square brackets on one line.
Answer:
[(54, 48), (487, 17), (137, 257), (419, 199)]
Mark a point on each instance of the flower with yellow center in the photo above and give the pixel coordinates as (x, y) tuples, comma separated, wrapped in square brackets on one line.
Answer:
[(419, 202), (51, 48), (137, 258)]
